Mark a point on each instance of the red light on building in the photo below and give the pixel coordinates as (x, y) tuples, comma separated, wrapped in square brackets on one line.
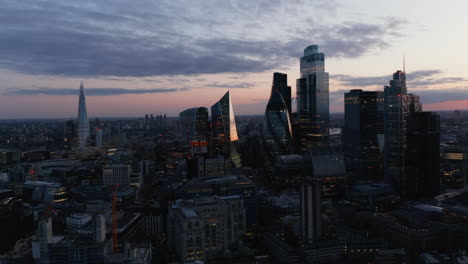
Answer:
[(199, 143)]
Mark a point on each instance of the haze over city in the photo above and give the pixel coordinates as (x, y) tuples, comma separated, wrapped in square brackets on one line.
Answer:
[(165, 56)]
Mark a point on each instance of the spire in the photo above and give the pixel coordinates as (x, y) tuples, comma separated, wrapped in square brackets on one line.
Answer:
[(404, 66), (83, 122)]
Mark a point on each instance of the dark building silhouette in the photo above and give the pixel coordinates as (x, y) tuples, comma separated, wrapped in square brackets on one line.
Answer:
[(423, 157), (280, 83), (328, 165), (364, 134), (70, 134), (311, 210), (194, 124)]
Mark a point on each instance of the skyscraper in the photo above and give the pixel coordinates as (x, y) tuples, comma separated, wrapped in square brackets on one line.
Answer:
[(280, 83), (363, 134), (99, 138), (194, 124), (422, 168), (83, 122), (398, 106), (69, 138), (311, 210), (277, 133), (224, 128), (312, 100)]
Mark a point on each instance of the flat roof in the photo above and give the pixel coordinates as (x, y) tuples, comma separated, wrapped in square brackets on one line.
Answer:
[(188, 212), (43, 183)]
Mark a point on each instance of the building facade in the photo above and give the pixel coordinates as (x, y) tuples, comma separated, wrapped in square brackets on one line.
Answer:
[(116, 174), (224, 130), (398, 107), (312, 100), (277, 132), (194, 124), (422, 168), (200, 229), (280, 84), (364, 134), (311, 210)]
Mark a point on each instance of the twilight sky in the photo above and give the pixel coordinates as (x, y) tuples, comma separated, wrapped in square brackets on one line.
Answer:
[(163, 56)]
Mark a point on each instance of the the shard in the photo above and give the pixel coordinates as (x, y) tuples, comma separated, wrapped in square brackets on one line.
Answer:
[(83, 122)]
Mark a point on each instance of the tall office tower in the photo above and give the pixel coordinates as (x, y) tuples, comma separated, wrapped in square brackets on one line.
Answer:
[(280, 83), (224, 127), (277, 133), (69, 138), (99, 137), (194, 124), (83, 122), (363, 134), (398, 106), (423, 157), (147, 123), (311, 210), (312, 100)]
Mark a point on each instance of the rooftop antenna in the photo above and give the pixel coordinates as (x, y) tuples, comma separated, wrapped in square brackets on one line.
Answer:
[(404, 65)]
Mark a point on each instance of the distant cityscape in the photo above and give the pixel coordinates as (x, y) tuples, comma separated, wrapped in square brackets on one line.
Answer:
[(385, 182)]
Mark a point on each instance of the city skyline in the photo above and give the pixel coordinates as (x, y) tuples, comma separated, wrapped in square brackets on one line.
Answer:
[(162, 131), (361, 50)]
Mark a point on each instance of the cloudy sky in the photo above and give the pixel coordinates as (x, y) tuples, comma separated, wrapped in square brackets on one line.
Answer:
[(162, 56)]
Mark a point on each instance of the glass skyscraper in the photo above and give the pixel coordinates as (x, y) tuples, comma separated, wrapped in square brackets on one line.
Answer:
[(83, 122), (224, 137), (363, 134), (422, 167), (312, 100), (280, 83), (398, 107), (194, 124), (277, 132)]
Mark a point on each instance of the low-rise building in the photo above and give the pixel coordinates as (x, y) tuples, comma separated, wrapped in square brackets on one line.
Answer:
[(204, 227)]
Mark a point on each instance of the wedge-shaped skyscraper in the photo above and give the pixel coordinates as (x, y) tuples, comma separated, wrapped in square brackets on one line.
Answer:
[(83, 122), (224, 127)]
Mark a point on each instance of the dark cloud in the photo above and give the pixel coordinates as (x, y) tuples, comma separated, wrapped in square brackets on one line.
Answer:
[(231, 85), (442, 95), (90, 91), (153, 38), (357, 81), (416, 79), (178, 80), (435, 81), (150, 80)]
